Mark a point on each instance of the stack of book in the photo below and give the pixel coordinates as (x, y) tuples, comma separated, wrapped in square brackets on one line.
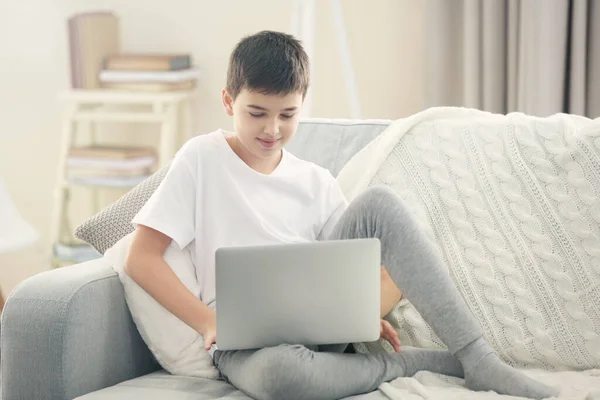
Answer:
[(148, 72), (110, 166)]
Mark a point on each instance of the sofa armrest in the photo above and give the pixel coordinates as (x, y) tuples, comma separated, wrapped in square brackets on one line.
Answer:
[(68, 332)]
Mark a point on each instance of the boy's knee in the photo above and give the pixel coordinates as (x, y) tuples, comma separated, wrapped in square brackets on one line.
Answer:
[(376, 196), (379, 200), (285, 371)]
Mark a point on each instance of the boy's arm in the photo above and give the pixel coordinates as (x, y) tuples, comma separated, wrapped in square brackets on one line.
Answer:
[(146, 266)]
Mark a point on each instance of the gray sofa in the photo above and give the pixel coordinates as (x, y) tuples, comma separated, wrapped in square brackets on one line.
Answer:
[(67, 333)]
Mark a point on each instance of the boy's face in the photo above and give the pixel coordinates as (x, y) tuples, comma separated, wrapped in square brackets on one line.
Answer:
[(264, 123)]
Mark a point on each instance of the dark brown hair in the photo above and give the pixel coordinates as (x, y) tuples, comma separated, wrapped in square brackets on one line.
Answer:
[(270, 63)]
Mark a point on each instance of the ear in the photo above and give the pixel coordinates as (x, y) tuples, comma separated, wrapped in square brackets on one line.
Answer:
[(227, 102)]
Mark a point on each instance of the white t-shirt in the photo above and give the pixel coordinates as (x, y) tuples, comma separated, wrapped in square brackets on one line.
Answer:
[(210, 198)]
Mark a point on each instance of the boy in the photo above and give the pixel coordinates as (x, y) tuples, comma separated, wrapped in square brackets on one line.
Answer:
[(242, 188)]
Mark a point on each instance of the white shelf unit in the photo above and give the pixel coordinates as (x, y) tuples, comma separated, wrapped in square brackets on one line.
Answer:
[(88, 108)]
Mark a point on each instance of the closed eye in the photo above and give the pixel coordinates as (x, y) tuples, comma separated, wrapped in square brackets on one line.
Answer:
[(257, 115), (287, 116)]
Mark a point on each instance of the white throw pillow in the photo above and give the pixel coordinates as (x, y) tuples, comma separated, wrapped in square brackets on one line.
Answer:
[(178, 348)]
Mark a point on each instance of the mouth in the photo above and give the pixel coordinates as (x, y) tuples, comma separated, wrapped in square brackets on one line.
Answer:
[(267, 143)]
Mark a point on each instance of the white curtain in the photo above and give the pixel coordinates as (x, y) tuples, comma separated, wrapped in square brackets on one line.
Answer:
[(539, 57)]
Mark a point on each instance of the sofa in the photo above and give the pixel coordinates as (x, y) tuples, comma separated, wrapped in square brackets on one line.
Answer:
[(67, 333), (511, 201)]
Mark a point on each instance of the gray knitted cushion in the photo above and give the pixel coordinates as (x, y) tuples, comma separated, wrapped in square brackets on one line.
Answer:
[(107, 227)]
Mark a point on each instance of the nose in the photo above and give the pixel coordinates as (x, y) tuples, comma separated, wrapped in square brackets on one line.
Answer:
[(272, 127)]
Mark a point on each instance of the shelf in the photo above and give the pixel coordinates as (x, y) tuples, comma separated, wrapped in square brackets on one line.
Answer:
[(113, 165), (117, 117), (108, 96), (87, 168)]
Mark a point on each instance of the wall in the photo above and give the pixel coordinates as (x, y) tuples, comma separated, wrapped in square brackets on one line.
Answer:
[(385, 36)]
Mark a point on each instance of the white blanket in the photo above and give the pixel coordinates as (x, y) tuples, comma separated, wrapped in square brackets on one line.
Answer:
[(511, 203), (584, 385)]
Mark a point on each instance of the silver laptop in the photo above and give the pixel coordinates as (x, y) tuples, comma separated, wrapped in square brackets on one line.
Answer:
[(313, 293)]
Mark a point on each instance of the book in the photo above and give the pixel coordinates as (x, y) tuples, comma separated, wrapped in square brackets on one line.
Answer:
[(90, 171), (114, 164), (147, 62), (108, 181), (109, 76), (112, 152), (92, 36), (74, 54), (150, 86)]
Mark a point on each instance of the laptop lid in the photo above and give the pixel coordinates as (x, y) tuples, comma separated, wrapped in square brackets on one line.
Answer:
[(305, 293)]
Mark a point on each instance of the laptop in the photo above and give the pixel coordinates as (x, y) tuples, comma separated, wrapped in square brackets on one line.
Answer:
[(316, 293)]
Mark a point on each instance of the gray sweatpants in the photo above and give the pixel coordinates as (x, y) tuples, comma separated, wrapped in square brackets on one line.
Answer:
[(298, 372)]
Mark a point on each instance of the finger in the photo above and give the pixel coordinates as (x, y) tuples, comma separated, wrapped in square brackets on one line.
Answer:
[(384, 332), (393, 333), (397, 345), (395, 342), (388, 328), (208, 341), (392, 336)]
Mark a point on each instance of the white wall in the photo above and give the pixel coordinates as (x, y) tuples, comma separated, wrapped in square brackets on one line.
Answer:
[(386, 39)]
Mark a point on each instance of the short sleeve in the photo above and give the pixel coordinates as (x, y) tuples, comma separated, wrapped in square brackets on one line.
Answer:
[(171, 209), (335, 204)]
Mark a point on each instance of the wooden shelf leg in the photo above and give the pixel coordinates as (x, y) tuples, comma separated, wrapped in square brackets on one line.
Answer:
[(168, 136), (60, 191)]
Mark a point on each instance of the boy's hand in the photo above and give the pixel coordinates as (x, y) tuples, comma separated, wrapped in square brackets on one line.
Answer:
[(209, 332), (389, 333), (210, 338)]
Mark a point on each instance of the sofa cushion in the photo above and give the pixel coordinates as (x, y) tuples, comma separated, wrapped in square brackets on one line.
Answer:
[(176, 346), (326, 142), (162, 385), (331, 143), (112, 223)]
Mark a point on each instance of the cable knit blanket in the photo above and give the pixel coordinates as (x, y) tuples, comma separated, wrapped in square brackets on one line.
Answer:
[(511, 202), (583, 385)]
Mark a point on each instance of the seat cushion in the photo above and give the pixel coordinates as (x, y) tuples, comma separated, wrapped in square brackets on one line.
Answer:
[(162, 385)]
